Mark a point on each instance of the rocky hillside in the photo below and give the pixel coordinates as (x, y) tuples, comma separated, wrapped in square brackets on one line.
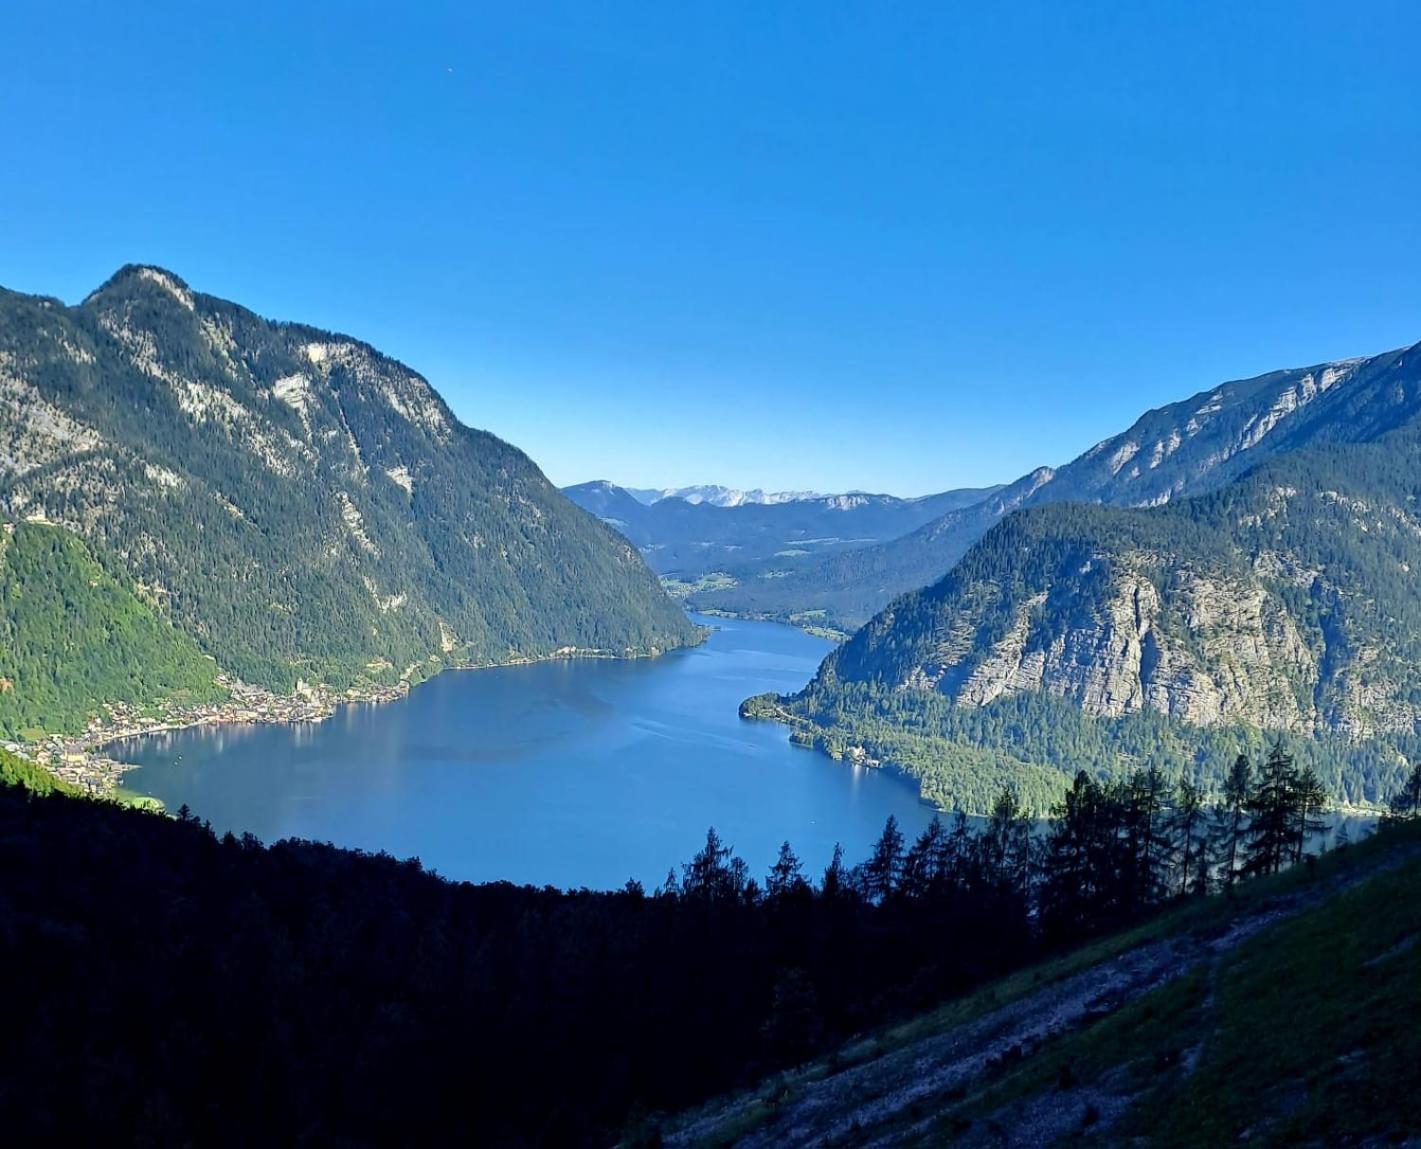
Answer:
[(1098, 637), (1186, 448), (297, 503), (1284, 601)]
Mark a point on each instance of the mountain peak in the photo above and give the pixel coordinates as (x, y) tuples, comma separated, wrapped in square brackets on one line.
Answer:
[(141, 277)]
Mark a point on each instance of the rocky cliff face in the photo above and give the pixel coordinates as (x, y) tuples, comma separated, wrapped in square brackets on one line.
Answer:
[(1244, 659), (1285, 602)]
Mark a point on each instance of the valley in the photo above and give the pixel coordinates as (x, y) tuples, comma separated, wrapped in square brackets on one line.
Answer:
[(713, 576)]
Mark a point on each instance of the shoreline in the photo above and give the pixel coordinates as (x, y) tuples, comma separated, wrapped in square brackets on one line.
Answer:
[(804, 733), (81, 759)]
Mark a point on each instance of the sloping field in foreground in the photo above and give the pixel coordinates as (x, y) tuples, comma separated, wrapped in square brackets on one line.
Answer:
[(1283, 1015)]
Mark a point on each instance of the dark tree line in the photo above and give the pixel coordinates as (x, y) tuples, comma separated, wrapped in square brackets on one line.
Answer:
[(1116, 849), (172, 986)]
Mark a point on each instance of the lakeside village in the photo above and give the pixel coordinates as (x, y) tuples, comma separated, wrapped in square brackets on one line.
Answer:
[(83, 760)]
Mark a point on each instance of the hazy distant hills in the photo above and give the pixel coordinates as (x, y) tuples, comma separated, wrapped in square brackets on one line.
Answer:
[(295, 503), (689, 539), (719, 496), (1182, 449), (1283, 599)]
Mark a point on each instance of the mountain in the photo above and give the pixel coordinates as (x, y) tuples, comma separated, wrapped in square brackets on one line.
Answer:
[(1185, 448), (1283, 602), (718, 496), (688, 540), (295, 503)]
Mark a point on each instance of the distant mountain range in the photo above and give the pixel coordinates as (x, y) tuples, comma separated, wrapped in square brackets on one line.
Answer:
[(718, 496), (288, 501), (1239, 563), (687, 541)]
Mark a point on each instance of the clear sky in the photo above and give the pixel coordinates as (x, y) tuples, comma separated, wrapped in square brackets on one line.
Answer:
[(897, 247)]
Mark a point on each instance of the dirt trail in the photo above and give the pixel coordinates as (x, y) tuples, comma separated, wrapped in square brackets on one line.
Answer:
[(888, 1099)]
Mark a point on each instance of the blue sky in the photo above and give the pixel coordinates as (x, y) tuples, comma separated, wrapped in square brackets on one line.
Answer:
[(897, 247)]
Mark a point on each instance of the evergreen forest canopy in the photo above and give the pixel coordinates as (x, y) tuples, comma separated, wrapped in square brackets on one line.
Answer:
[(181, 987), (71, 633), (294, 503)]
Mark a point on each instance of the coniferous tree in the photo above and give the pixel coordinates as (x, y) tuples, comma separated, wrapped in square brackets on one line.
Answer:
[(1145, 802), (1273, 814), (1230, 820), (715, 874), (923, 863), (1407, 802), (1079, 868), (1186, 828), (1006, 843), (883, 868), (836, 880), (786, 875), (1309, 801)]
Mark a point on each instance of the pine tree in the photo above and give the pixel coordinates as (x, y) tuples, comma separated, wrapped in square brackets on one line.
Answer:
[(786, 875), (835, 883), (1145, 805), (1186, 829), (884, 867), (1006, 844), (922, 866), (715, 874), (1230, 819), (1273, 814), (1407, 802), (1081, 857), (1309, 801)]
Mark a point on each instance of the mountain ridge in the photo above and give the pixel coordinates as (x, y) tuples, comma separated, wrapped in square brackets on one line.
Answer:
[(1280, 603), (1188, 447), (300, 504), (687, 540)]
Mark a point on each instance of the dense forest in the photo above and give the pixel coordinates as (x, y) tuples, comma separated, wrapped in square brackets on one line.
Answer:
[(962, 756), (297, 504), (180, 987), (71, 633)]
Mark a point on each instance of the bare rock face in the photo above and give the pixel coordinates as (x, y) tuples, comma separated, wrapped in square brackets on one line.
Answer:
[(1214, 650), (1284, 602)]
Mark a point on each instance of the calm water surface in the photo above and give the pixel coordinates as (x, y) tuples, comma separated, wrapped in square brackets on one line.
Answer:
[(569, 773)]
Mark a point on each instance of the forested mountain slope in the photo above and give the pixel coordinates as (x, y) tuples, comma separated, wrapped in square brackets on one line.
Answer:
[(71, 634), (1186, 448), (1285, 602), (297, 503), (687, 539)]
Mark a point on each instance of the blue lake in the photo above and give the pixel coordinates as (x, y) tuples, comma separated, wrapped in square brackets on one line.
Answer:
[(579, 773)]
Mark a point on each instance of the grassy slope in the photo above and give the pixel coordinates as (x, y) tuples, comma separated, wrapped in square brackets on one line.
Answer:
[(1303, 1034)]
